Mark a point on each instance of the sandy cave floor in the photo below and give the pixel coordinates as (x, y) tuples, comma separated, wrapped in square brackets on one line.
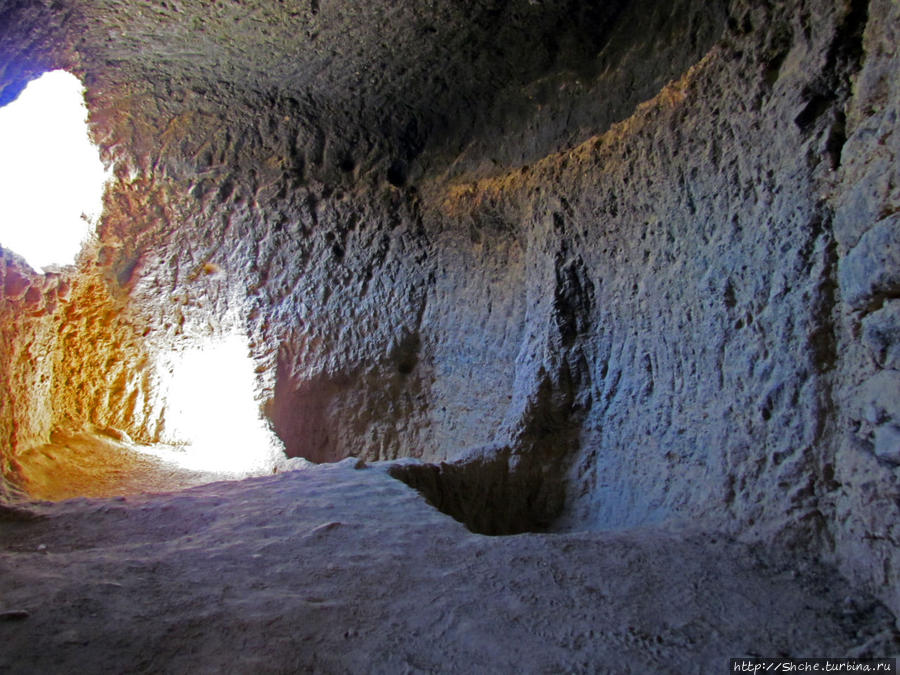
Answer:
[(334, 570), (85, 464)]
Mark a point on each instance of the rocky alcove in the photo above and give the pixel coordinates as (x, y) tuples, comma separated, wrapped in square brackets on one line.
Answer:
[(618, 278)]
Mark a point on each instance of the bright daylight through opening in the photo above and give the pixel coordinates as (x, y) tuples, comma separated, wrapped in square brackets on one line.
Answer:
[(210, 412), (51, 177)]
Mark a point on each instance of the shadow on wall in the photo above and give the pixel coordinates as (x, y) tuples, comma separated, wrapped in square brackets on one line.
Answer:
[(374, 409), (302, 416), (492, 491)]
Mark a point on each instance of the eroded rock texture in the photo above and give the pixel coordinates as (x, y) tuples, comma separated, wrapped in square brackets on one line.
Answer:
[(628, 264)]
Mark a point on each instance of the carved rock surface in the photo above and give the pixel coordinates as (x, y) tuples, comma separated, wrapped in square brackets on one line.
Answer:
[(631, 260)]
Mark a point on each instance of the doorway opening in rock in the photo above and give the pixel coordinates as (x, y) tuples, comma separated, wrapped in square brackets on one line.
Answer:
[(211, 414), (495, 493), (207, 427), (51, 173)]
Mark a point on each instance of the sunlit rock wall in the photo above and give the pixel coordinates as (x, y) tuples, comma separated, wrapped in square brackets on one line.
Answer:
[(27, 303), (70, 360), (678, 310)]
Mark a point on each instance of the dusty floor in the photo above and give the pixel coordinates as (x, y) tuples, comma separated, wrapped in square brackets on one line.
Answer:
[(95, 465), (337, 570)]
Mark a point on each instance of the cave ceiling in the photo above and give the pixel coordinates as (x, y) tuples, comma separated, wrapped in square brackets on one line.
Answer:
[(422, 55), (391, 78), (427, 61)]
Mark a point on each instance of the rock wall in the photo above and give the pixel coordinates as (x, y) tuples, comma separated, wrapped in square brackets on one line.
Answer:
[(70, 360), (27, 305), (865, 198), (608, 312)]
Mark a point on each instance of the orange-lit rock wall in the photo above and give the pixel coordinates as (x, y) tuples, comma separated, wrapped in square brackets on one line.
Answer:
[(28, 302), (70, 361)]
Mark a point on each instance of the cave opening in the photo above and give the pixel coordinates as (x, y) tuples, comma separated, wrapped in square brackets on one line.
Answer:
[(207, 427), (52, 176), (212, 421)]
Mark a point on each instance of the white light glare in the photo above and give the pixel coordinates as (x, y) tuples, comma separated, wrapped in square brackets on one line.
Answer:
[(51, 177), (210, 411)]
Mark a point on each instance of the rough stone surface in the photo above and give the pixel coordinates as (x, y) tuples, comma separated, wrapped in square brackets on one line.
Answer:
[(871, 270), (27, 311), (333, 570), (881, 334), (69, 360), (615, 267), (866, 197)]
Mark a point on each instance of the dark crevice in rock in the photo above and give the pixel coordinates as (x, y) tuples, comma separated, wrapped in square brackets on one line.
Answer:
[(396, 173), (823, 341), (824, 354), (405, 352), (572, 300), (847, 53), (835, 140), (347, 165), (814, 109), (828, 97), (828, 94)]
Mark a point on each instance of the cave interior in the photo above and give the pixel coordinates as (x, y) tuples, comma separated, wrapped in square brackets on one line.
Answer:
[(605, 289)]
